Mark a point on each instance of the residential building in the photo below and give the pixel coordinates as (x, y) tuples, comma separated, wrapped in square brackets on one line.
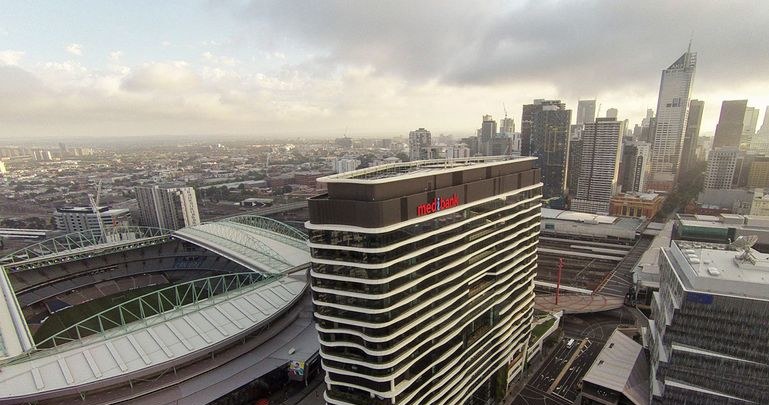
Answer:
[(547, 124), (3, 169), (722, 163), (635, 204), (423, 279), (708, 334), (691, 135), (80, 219), (167, 208), (418, 141), (670, 122), (599, 166), (730, 124), (346, 165)]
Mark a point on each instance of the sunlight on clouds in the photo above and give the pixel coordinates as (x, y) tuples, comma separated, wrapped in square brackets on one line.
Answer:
[(10, 57), (75, 49)]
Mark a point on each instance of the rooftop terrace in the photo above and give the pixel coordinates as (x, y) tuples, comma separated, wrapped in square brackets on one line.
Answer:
[(419, 168)]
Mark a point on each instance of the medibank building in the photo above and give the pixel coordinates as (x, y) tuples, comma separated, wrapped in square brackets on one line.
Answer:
[(422, 279)]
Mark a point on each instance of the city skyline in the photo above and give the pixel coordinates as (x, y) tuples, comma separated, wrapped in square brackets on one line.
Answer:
[(273, 68)]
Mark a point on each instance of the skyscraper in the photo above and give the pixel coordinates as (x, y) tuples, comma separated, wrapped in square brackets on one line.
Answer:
[(689, 149), (486, 135), (575, 160), (722, 163), (422, 279), (507, 126), (168, 208), (419, 140), (599, 166), (760, 142), (670, 123), (634, 166), (749, 126), (612, 113), (547, 124), (585, 111), (730, 124)]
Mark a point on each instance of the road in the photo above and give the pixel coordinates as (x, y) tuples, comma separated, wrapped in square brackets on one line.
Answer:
[(556, 382)]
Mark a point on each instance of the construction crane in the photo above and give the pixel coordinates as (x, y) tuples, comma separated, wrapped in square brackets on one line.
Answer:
[(504, 108), (95, 208)]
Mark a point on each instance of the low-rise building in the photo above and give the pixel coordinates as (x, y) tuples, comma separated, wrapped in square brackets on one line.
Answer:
[(619, 375), (722, 228), (636, 205)]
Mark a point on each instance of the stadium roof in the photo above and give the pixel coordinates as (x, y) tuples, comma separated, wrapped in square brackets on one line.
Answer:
[(158, 341), (163, 340), (254, 247)]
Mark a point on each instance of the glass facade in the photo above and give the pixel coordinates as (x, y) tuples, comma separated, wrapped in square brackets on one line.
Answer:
[(707, 348)]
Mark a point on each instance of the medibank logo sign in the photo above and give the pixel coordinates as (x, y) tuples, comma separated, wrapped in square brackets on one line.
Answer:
[(438, 204)]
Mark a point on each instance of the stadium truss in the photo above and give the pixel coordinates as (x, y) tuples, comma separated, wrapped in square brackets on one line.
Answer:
[(165, 329), (75, 246), (158, 302)]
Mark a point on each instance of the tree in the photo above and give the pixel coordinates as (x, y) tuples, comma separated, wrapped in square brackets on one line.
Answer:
[(403, 156)]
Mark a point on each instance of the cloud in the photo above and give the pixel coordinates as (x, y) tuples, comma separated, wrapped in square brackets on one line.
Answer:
[(161, 76), (581, 47), (219, 60), (115, 56), (10, 57), (75, 49)]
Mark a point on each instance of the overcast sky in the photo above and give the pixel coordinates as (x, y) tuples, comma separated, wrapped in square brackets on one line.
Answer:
[(98, 68)]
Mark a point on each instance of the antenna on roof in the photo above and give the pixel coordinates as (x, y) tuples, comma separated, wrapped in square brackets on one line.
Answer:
[(743, 244)]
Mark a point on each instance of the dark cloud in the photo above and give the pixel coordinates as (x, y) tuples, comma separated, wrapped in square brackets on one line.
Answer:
[(580, 47)]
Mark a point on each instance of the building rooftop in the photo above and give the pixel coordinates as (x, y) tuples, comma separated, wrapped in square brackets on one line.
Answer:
[(721, 269), (640, 196), (592, 219), (395, 171), (622, 367)]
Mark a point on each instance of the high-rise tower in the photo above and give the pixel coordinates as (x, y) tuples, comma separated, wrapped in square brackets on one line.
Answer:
[(419, 140), (169, 208), (599, 166), (546, 125), (689, 149), (670, 123), (730, 124), (423, 279), (585, 111)]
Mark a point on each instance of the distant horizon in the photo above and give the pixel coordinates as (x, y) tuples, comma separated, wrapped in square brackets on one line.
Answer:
[(278, 68)]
